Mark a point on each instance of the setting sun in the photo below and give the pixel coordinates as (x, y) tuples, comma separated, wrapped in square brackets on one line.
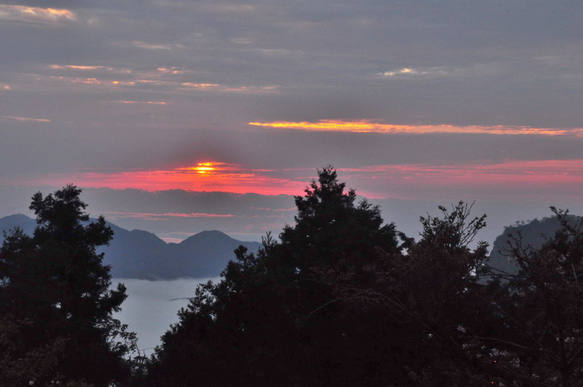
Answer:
[(205, 167)]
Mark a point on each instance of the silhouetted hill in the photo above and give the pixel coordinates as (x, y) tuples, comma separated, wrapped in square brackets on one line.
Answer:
[(141, 254), (533, 235), (22, 221)]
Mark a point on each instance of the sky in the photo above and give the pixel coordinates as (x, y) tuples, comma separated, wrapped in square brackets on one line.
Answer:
[(178, 116)]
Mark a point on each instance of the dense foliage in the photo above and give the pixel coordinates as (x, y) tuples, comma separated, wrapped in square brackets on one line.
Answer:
[(541, 311), (532, 236), (55, 301), (343, 299), (340, 299)]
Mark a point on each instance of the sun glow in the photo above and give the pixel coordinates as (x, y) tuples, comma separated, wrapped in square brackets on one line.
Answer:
[(205, 167), (502, 180), (202, 176)]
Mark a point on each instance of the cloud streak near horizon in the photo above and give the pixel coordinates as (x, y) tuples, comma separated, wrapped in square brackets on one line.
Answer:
[(504, 180), (208, 176)]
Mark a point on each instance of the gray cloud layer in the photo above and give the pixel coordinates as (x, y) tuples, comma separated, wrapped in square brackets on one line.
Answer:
[(152, 84), (496, 62)]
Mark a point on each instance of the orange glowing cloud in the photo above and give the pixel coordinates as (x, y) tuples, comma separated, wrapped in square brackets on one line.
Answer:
[(551, 180), (34, 14), (204, 176), (87, 81), (216, 87), (169, 70), (123, 83), (91, 81), (199, 85), (78, 67), (368, 126), (91, 68)]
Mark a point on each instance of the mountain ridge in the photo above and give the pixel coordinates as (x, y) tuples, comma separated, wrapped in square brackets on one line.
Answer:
[(532, 234), (143, 255)]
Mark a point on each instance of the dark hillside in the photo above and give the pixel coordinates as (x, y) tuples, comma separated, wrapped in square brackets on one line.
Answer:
[(532, 235)]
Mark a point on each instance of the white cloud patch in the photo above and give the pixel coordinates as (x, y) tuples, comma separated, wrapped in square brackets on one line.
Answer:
[(155, 46), (410, 72)]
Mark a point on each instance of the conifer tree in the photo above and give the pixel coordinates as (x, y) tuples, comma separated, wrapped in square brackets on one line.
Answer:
[(55, 298)]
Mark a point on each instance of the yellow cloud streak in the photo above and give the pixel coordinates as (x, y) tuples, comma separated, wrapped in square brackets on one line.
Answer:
[(27, 13), (365, 126), (52, 11)]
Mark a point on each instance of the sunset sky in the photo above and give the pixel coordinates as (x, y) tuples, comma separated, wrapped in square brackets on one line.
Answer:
[(180, 115)]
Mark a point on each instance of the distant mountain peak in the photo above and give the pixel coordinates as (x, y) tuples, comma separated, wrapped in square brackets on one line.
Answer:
[(210, 233), (18, 216), (22, 221), (533, 234), (141, 254)]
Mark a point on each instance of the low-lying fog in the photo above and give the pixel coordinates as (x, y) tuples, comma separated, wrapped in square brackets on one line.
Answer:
[(152, 306)]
